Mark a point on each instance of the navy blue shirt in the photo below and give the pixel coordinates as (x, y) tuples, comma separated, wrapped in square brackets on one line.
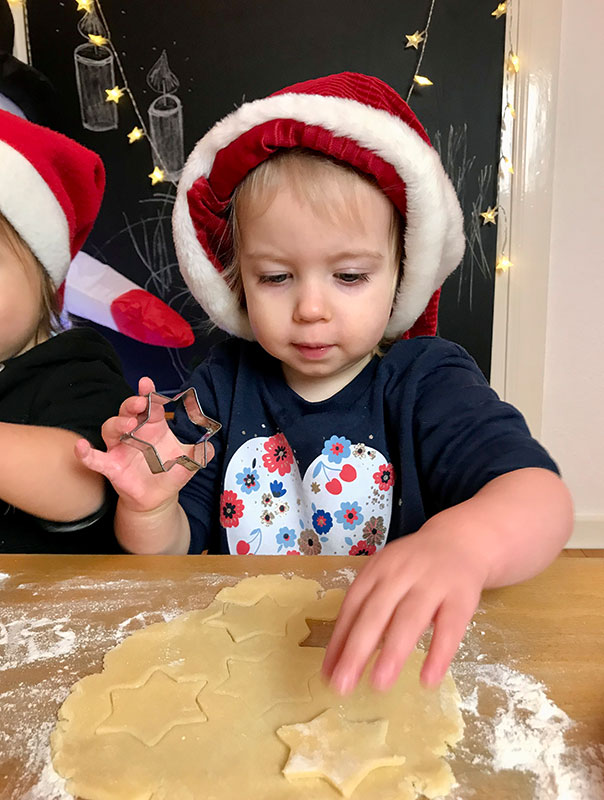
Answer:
[(417, 431)]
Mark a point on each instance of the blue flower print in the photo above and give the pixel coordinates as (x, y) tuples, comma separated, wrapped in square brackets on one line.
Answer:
[(248, 480), (321, 521), (277, 489), (286, 537), (349, 515), (336, 448)]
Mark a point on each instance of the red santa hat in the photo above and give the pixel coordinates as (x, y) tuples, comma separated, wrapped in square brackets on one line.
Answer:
[(357, 119), (50, 191)]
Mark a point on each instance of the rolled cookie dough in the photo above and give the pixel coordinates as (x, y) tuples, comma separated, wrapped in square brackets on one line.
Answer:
[(220, 703)]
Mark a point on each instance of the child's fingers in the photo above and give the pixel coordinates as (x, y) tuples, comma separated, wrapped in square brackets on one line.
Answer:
[(132, 406), (113, 429), (145, 385), (92, 459), (363, 637), (450, 623), (349, 611), (210, 452), (411, 618)]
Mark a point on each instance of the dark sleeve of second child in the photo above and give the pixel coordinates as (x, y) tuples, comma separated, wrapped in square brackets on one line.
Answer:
[(83, 385), (465, 436)]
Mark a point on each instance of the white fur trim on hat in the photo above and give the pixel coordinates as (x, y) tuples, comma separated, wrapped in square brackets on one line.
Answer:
[(30, 206), (434, 239)]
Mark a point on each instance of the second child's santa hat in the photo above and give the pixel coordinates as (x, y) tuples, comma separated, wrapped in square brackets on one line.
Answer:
[(50, 191), (357, 119)]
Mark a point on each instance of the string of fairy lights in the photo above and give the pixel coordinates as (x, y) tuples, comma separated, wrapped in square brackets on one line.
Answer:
[(415, 41), (115, 93), (512, 67)]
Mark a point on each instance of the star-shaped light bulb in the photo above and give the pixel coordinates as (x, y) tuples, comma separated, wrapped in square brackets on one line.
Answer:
[(503, 264), (489, 216), (114, 95), (157, 176), (84, 5), (513, 62), (414, 39), (500, 10), (135, 134), (97, 40), (421, 80)]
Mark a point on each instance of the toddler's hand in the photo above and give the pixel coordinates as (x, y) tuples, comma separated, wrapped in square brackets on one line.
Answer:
[(431, 576), (125, 466)]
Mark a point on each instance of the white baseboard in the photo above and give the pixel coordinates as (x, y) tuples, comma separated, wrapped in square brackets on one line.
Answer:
[(588, 532)]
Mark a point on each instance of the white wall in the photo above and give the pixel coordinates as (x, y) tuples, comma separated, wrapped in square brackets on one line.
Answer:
[(573, 407)]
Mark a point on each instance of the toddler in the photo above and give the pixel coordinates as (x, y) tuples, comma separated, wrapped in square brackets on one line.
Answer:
[(316, 226), (55, 387)]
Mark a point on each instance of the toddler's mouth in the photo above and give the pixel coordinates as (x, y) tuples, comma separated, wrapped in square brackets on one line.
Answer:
[(312, 350)]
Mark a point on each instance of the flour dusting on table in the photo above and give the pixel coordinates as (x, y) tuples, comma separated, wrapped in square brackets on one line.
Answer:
[(523, 731), (47, 644)]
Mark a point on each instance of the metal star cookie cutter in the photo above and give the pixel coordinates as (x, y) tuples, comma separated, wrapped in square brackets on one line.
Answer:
[(194, 412)]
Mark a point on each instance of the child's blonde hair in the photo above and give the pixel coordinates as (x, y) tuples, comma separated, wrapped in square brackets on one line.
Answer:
[(303, 171), (49, 321)]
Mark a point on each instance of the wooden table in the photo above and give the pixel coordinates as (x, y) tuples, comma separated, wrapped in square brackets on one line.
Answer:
[(60, 614)]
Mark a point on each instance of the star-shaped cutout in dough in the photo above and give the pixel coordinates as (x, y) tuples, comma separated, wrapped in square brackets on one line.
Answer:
[(336, 749), (286, 685), (149, 711), (243, 622)]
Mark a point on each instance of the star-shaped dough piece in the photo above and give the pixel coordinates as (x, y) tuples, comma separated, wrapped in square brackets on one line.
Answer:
[(286, 685), (166, 702), (243, 622), (336, 749)]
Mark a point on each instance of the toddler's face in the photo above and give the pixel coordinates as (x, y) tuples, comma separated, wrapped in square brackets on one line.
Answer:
[(318, 293), (20, 302)]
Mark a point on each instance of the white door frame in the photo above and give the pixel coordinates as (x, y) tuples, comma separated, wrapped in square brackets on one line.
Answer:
[(20, 50), (533, 32)]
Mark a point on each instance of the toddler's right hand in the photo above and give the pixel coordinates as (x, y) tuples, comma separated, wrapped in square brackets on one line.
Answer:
[(125, 466)]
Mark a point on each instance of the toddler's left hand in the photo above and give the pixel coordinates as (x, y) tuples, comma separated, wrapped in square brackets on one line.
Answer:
[(432, 576)]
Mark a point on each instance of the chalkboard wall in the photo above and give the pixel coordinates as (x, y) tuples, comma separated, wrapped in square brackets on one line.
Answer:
[(223, 53)]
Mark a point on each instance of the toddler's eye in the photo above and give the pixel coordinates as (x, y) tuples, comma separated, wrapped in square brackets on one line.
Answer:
[(352, 277), (273, 278)]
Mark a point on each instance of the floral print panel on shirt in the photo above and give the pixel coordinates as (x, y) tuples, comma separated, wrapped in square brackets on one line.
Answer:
[(341, 506)]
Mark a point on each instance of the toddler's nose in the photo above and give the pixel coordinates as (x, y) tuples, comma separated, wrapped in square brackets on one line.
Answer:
[(312, 305)]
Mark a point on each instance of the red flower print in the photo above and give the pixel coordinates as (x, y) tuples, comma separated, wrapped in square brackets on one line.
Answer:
[(351, 515), (361, 548), (278, 455), (384, 477), (231, 509), (292, 553)]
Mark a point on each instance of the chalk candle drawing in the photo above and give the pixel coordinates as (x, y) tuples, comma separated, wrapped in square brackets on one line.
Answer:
[(165, 119), (95, 72)]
